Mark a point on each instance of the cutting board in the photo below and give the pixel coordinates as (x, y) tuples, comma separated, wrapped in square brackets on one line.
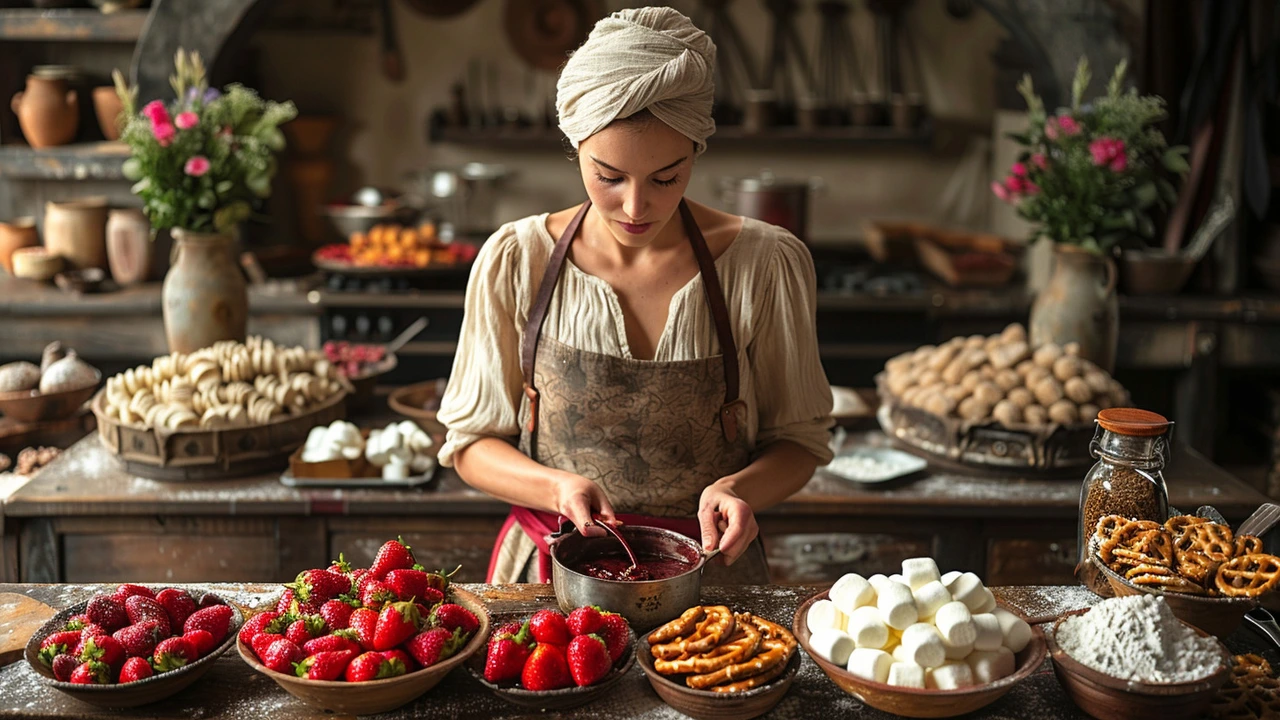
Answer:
[(20, 618)]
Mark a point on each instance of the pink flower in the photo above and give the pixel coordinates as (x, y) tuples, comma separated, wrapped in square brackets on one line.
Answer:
[(156, 113), (164, 133), (196, 166), (1000, 191), (187, 120), (1040, 161), (1068, 125), (1120, 163), (1031, 188), (1019, 169), (1015, 184), (1051, 128), (1109, 152)]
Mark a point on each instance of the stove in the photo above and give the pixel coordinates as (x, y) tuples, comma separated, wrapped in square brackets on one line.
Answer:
[(869, 279)]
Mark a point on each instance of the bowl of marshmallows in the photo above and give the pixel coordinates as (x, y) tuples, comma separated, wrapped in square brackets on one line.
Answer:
[(920, 644), (341, 451)]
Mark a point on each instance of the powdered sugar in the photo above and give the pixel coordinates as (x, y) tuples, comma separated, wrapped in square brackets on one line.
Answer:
[(1138, 638)]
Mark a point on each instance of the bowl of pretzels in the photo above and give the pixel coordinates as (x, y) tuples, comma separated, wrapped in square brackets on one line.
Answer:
[(712, 662), (1209, 575)]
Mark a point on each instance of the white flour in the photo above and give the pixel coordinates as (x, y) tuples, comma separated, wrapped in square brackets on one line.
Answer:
[(1138, 638)]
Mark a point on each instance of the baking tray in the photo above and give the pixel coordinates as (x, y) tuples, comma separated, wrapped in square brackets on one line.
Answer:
[(893, 464), (287, 479)]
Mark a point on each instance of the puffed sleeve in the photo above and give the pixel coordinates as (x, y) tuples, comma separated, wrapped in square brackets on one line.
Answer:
[(792, 393), (483, 396)]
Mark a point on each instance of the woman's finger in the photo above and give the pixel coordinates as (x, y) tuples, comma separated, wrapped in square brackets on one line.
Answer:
[(707, 520), (578, 510), (742, 530), (606, 508)]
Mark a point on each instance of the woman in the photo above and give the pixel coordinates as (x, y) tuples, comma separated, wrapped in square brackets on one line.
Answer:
[(657, 364)]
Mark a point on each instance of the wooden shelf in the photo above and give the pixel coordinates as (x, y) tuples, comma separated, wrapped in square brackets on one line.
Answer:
[(71, 25), (85, 161)]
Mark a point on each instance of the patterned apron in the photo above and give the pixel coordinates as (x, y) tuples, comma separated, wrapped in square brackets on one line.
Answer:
[(652, 435)]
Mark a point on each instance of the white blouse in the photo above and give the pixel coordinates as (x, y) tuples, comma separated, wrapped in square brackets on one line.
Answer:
[(769, 285)]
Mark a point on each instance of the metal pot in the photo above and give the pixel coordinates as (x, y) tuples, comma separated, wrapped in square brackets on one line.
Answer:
[(776, 201), (645, 604), (464, 197)]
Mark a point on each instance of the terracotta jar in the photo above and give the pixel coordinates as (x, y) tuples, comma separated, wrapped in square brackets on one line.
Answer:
[(129, 246), (77, 230), (48, 111), (18, 233), (108, 106), (205, 298)]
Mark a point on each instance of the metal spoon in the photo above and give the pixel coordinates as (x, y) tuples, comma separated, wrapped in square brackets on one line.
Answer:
[(1265, 622), (625, 545)]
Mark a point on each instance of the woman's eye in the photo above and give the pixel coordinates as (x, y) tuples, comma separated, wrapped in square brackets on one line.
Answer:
[(668, 182), (608, 180)]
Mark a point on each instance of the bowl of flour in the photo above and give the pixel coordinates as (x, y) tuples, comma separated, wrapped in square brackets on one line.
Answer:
[(1131, 657)]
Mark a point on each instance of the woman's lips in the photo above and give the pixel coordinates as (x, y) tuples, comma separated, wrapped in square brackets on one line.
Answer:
[(636, 229)]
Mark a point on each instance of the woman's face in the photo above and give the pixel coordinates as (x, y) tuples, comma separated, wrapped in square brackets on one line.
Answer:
[(635, 174)]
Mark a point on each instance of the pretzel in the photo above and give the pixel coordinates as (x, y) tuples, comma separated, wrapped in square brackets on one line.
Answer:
[(1248, 575), (1169, 583), (1210, 539), (744, 644), (754, 681), (1109, 524), (773, 653), (1178, 524), (1122, 535), (716, 625), (1249, 545), (681, 626), (1148, 570), (1248, 668)]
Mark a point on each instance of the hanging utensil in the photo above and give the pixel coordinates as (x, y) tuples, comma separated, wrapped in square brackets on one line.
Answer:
[(440, 8), (392, 59), (409, 333), (544, 32), (1264, 622)]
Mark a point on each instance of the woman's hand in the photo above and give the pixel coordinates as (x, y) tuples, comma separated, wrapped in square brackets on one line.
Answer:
[(727, 522), (581, 500)]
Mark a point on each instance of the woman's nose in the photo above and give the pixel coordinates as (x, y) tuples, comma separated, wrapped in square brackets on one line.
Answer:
[(633, 203)]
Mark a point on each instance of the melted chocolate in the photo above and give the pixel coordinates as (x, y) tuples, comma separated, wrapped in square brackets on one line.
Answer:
[(648, 567)]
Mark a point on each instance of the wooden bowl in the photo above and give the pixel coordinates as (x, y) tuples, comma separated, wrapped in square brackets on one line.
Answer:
[(377, 696), (35, 263), (1105, 697), (1218, 616), (29, 406), (708, 705), (142, 692), (913, 702), (411, 401), (552, 700)]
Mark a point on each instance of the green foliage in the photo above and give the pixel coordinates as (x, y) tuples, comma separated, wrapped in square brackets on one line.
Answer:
[(211, 175)]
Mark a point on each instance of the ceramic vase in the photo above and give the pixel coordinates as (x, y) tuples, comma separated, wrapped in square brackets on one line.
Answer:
[(129, 246), (48, 111), (1079, 305), (108, 107), (15, 234), (205, 298), (77, 231)]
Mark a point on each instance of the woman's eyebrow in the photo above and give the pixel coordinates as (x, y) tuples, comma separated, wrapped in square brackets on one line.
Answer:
[(611, 168)]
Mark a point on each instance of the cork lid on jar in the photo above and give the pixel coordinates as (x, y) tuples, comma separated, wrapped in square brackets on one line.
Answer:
[(1134, 422)]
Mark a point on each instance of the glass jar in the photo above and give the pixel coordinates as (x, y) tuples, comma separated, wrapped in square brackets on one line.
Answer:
[(1131, 447)]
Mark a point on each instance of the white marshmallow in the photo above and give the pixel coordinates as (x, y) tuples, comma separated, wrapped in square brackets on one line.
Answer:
[(395, 470), (988, 602), (951, 675), (899, 653), (950, 575), (831, 644), (991, 665), (420, 464), (929, 597), (1016, 631), (898, 579), (896, 605), (957, 652), (923, 645), (968, 589), (867, 628), (315, 438), (851, 592), (905, 674), (877, 580), (989, 636), (871, 664), (955, 624), (920, 571), (824, 615)]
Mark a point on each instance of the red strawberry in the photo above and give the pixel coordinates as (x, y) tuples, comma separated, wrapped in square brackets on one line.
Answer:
[(282, 655), (209, 600), (376, 594), (104, 649), (325, 665), (285, 603), (509, 647), (107, 613), (305, 628), (588, 660), (135, 668), (546, 669), (373, 666), (178, 604), (393, 555), (202, 640), (262, 641), (549, 626), (453, 617), (91, 673), (173, 653), (365, 622), (57, 644), (413, 585), (215, 619), (139, 640), (260, 623), (340, 566), (616, 634), (128, 590), (336, 614), (585, 621), (141, 609), (402, 657), (320, 585), (64, 665), (77, 622), (331, 643), (434, 645), (397, 622)]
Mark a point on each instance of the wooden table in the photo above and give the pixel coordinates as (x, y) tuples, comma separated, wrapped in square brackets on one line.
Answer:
[(84, 519), (232, 690)]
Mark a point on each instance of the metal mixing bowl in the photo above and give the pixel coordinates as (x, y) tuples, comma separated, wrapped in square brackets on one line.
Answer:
[(348, 219)]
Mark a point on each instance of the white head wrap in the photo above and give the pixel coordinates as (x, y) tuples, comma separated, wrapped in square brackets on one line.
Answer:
[(647, 58)]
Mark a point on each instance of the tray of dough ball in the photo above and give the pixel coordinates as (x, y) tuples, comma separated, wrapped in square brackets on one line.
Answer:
[(343, 455)]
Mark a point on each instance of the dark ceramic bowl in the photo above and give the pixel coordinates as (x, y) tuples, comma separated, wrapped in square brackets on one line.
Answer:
[(141, 692), (34, 406), (1218, 616)]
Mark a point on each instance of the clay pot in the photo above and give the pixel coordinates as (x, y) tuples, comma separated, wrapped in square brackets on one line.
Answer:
[(48, 112), (35, 263), (15, 234), (205, 298), (311, 180), (1079, 305), (107, 104), (77, 230), (309, 135), (129, 246)]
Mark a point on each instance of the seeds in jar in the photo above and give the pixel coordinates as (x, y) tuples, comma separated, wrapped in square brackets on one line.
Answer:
[(1124, 492)]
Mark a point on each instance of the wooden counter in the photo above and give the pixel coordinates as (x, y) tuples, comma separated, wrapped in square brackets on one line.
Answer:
[(233, 690), (83, 519)]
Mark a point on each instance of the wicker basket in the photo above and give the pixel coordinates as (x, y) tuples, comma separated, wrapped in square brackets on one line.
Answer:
[(211, 454)]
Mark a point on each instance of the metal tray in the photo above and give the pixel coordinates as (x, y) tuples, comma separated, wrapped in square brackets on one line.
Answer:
[(890, 465), (412, 481)]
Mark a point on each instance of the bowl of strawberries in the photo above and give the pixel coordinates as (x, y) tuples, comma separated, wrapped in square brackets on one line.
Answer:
[(133, 647), (552, 662), (366, 640)]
